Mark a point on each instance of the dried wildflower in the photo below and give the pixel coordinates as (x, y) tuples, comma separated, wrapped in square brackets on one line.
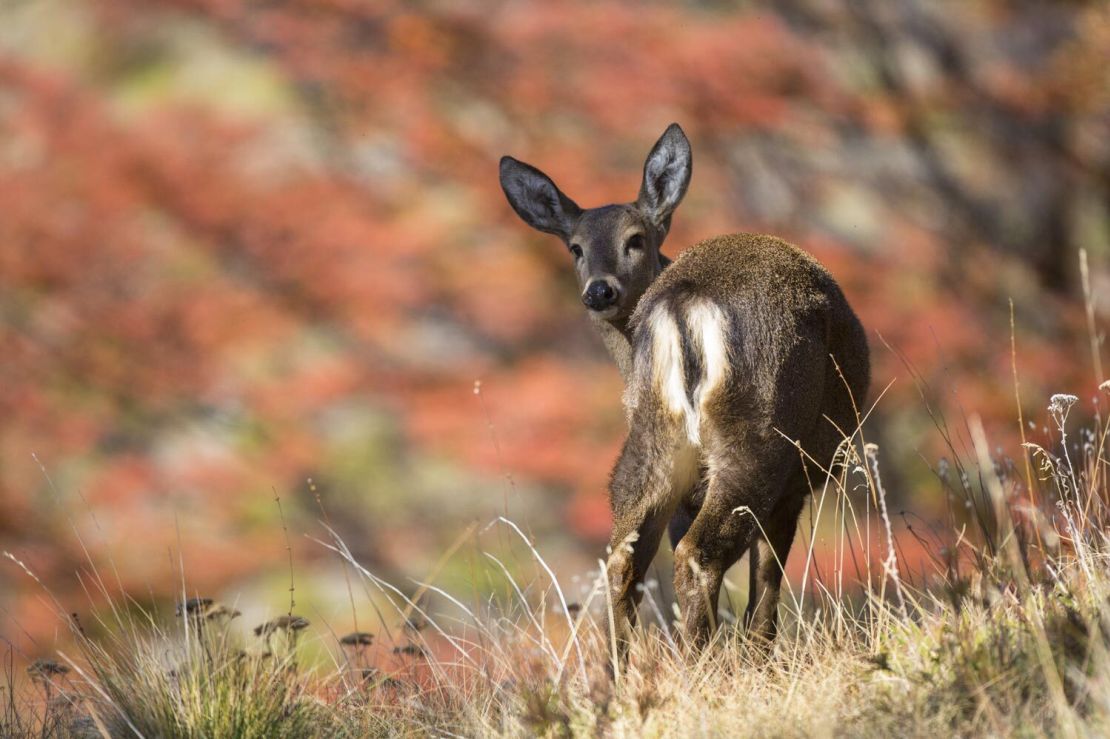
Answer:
[(357, 639), (45, 669), (281, 623), (1061, 403), (217, 611), (194, 607), (411, 650), (199, 610), (77, 623)]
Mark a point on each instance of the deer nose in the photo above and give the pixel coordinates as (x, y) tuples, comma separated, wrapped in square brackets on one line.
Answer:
[(599, 295)]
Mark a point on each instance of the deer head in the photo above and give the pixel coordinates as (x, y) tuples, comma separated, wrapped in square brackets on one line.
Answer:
[(615, 248)]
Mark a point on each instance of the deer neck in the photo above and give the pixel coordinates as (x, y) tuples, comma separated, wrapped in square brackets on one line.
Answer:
[(618, 336), (617, 340)]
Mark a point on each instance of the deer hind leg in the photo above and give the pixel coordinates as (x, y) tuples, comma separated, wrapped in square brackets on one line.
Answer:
[(655, 468), (769, 551), (686, 511), (746, 480)]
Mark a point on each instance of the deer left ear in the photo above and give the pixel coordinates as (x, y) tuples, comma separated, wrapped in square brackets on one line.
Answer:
[(537, 200), (666, 176)]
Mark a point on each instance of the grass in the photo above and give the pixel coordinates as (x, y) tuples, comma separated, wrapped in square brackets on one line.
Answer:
[(1009, 635)]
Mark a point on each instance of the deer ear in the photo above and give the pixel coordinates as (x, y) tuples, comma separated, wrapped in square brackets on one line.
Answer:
[(536, 200), (666, 175)]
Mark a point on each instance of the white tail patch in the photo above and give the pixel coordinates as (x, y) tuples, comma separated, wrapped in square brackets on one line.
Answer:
[(706, 326), (667, 367)]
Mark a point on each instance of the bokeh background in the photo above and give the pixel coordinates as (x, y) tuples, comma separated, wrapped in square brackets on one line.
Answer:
[(257, 250)]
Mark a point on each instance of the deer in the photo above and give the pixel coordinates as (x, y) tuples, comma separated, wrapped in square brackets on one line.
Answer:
[(744, 367)]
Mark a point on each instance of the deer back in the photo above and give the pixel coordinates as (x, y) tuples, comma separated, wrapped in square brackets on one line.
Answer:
[(738, 327)]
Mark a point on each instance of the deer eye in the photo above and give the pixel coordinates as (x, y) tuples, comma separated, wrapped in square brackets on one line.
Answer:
[(635, 243), (576, 250)]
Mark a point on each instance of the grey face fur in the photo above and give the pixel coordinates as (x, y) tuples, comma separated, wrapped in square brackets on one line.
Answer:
[(615, 248)]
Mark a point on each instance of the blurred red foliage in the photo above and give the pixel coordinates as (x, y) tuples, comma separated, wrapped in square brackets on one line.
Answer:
[(191, 293)]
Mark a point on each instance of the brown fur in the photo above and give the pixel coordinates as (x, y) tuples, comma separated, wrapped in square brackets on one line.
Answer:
[(787, 323)]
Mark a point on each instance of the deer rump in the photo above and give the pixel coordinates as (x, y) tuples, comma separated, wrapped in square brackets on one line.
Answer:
[(683, 356), (760, 357)]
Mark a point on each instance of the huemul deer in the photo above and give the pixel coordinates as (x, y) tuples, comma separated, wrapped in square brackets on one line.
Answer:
[(743, 366)]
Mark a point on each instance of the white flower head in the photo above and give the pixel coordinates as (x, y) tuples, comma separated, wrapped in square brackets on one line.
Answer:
[(1061, 403)]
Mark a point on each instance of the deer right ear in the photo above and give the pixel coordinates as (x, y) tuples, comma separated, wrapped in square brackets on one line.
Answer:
[(666, 176), (536, 200)]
